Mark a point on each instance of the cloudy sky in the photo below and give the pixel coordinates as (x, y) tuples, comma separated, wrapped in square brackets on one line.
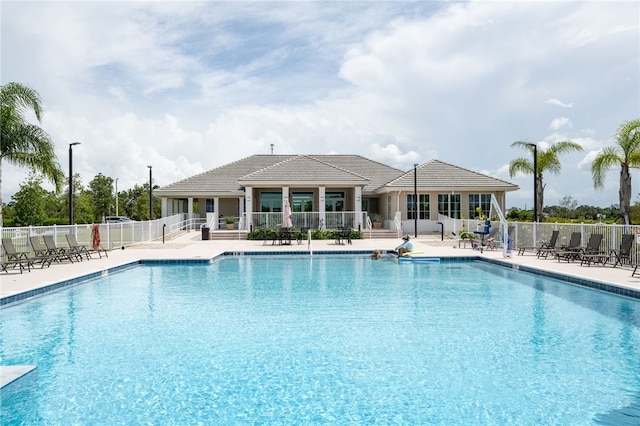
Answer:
[(189, 86)]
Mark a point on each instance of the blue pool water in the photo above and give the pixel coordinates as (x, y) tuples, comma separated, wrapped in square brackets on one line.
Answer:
[(349, 340)]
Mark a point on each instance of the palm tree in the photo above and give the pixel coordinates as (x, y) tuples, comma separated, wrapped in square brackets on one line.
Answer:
[(627, 154), (547, 160), (21, 142)]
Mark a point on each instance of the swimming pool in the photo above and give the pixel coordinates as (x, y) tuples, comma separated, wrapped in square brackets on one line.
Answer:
[(290, 340)]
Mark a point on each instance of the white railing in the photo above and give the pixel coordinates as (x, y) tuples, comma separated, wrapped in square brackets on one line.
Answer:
[(528, 234), (312, 220), (112, 235)]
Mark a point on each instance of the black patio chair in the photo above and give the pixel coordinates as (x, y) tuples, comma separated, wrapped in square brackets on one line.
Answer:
[(624, 253), (343, 235), (619, 255), (592, 248), (551, 244), (572, 246)]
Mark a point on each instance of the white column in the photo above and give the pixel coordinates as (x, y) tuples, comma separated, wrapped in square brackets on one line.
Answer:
[(241, 210), (216, 212), (321, 208), (212, 217), (189, 207), (248, 193), (285, 196), (164, 203), (358, 207)]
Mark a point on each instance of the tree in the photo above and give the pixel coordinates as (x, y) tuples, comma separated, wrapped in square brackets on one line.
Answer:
[(30, 203), (102, 192), (83, 207), (23, 143), (547, 160), (136, 202), (568, 205), (626, 153)]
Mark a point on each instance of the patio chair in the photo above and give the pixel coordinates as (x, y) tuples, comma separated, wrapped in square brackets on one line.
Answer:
[(602, 257), (343, 234), (592, 248), (14, 258), (267, 234), (624, 253), (38, 248), (283, 237), (59, 253), (83, 250), (573, 245), (302, 235), (37, 258), (551, 244)]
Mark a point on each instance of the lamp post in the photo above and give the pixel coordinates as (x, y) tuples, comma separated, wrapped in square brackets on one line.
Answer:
[(117, 211), (150, 195), (415, 198), (71, 181), (535, 181)]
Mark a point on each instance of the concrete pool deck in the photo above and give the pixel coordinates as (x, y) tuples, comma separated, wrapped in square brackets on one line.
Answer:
[(190, 246)]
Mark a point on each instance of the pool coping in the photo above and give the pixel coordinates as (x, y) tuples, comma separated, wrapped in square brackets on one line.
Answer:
[(10, 373)]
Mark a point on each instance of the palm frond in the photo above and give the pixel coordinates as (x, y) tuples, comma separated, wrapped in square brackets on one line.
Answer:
[(606, 158)]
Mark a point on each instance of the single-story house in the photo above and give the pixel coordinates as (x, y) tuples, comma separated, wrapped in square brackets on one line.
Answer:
[(329, 191)]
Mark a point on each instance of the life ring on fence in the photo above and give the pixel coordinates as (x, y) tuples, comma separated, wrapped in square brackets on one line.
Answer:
[(95, 236)]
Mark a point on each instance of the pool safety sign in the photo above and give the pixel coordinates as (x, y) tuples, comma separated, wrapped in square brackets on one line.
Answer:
[(637, 235)]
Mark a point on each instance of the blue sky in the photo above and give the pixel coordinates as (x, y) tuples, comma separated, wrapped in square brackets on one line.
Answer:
[(189, 86)]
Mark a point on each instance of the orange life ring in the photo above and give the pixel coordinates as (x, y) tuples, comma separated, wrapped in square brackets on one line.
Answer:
[(95, 236)]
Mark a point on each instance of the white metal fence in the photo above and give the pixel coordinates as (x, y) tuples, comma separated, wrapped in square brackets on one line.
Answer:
[(528, 234), (112, 235), (116, 235)]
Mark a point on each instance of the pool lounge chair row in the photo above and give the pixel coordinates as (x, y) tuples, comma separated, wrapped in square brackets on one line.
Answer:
[(45, 255), (590, 254)]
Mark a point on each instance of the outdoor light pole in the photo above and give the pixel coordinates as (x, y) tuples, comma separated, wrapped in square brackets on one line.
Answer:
[(150, 195), (71, 181), (535, 181), (117, 212), (415, 198)]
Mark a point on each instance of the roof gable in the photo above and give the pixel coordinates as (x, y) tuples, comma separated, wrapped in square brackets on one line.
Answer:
[(303, 169), (436, 174), (329, 169)]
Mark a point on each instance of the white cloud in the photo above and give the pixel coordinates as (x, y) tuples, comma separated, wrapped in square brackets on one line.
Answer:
[(191, 86), (554, 101), (560, 122)]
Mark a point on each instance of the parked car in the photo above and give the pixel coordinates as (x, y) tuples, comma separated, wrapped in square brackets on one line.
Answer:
[(116, 219)]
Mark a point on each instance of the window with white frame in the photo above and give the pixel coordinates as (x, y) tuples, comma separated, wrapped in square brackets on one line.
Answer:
[(479, 200), (271, 202), (423, 206), (334, 201), (449, 205)]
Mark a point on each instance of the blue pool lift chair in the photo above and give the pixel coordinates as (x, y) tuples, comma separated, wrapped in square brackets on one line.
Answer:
[(483, 233)]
